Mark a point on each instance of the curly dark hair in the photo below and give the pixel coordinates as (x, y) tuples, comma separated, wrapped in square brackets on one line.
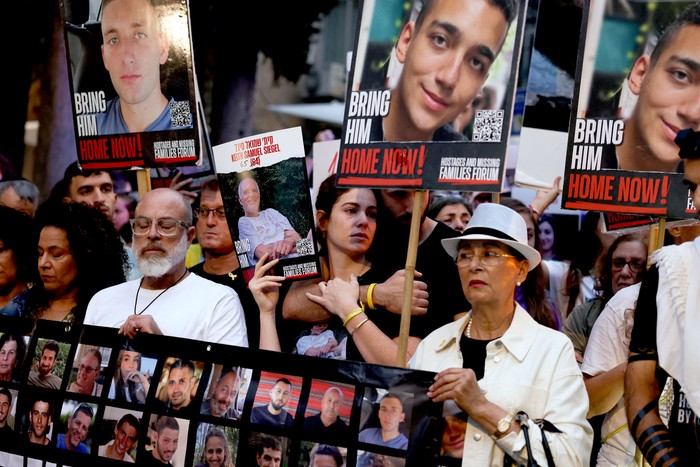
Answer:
[(96, 248), (18, 233)]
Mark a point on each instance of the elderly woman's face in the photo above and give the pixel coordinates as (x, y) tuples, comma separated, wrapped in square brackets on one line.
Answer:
[(488, 271), (57, 267), (628, 261), (8, 267), (8, 359)]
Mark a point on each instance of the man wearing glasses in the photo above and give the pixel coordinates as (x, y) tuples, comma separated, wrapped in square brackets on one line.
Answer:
[(88, 371), (168, 299), (220, 261)]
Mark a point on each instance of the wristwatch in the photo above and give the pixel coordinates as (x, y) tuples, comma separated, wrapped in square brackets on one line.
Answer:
[(503, 426)]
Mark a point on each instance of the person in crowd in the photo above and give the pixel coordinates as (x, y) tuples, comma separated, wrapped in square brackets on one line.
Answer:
[(454, 211), (129, 383), (439, 78), (273, 413), (180, 382), (7, 434), (94, 188), (223, 396), (216, 452), (39, 416), (327, 423), (165, 442), (134, 47), (126, 434), (668, 306), (18, 238), (547, 226), (42, 375), (349, 251), (347, 225), (533, 293), (324, 455), (391, 415), (124, 210), (497, 361), (220, 260), (13, 348), (268, 231), (80, 253), (78, 428), (663, 103), (269, 452), (88, 372), (622, 265), (21, 195), (168, 299)]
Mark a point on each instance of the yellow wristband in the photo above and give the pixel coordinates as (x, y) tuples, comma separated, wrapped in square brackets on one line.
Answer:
[(370, 290), (353, 313)]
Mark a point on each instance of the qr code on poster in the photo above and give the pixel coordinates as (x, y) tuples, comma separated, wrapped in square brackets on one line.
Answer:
[(488, 126), (180, 114), (305, 246)]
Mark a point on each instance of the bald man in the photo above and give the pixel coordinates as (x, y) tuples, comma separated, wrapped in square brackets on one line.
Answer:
[(169, 300)]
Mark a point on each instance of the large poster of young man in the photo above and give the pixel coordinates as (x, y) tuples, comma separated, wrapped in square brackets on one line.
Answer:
[(638, 76), (429, 105), (132, 82)]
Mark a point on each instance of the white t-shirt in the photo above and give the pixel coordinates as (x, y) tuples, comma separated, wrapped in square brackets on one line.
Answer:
[(608, 347), (196, 308)]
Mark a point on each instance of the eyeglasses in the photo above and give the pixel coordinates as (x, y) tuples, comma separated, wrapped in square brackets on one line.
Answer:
[(86, 369), (203, 213), (166, 226), (489, 258), (618, 264)]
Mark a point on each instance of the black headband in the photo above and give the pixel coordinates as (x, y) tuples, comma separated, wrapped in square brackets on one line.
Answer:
[(488, 231)]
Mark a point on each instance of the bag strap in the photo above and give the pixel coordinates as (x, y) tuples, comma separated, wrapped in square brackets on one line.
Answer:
[(546, 425)]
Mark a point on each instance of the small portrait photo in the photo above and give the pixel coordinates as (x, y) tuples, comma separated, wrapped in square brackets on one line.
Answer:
[(328, 411), (8, 409), (276, 401), (386, 418), (215, 446), (48, 363), (132, 377), (118, 434), (37, 411), (225, 393), (75, 425), (13, 350), (321, 455), (178, 384), (264, 450), (87, 373), (374, 459), (167, 441), (455, 428)]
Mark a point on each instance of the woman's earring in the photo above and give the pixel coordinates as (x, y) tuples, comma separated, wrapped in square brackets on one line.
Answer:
[(518, 283)]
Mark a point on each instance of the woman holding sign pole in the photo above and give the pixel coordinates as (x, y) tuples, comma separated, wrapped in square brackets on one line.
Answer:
[(496, 364)]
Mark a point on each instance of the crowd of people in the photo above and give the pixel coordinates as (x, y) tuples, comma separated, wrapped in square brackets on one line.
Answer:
[(512, 314)]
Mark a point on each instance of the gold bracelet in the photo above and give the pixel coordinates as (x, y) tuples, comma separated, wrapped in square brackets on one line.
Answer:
[(353, 313), (358, 326), (370, 302)]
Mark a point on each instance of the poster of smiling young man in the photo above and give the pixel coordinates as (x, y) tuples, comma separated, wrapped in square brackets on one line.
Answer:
[(430, 102), (265, 190), (132, 83), (637, 90)]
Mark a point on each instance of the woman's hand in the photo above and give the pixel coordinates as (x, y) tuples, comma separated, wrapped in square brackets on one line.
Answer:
[(338, 296), (459, 385), (543, 198), (265, 288)]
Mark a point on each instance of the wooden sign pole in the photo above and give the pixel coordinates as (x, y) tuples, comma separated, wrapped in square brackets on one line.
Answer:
[(143, 181), (413, 238)]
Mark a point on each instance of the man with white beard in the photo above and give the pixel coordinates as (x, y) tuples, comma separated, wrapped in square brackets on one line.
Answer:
[(168, 299)]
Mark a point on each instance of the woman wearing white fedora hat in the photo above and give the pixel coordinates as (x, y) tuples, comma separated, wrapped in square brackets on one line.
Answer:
[(497, 365)]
